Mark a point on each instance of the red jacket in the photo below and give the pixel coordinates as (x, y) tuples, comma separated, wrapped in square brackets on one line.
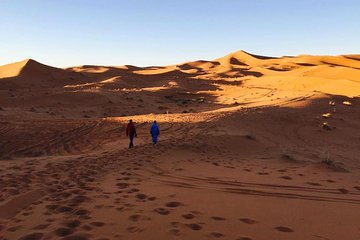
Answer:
[(130, 129)]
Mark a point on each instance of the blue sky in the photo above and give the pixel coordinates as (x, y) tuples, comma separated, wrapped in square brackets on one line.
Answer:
[(160, 32)]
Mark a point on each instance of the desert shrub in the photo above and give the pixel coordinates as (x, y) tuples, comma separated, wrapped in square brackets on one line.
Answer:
[(325, 157)]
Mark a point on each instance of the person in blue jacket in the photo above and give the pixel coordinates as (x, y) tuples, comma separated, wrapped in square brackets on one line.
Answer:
[(154, 131)]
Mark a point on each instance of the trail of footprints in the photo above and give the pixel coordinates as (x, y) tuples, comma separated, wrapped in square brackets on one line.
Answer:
[(286, 177), (191, 223), (65, 200), (191, 219)]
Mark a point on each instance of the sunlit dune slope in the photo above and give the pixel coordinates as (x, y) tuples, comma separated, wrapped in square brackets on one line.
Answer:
[(196, 86)]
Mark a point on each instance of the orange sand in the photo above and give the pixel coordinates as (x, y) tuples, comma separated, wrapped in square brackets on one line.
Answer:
[(244, 150)]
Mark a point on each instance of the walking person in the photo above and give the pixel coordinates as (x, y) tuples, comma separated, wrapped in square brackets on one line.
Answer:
[(131, 133), (155, 132)]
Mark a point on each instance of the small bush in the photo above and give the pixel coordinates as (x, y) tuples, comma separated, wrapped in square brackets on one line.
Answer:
[(286, 154), (326, 158), (326, 126)]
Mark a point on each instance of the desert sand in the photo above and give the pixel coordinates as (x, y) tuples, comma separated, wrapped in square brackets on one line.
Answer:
[(251, 148)]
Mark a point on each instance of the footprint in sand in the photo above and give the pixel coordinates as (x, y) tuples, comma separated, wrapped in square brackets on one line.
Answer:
[(52, 207), (343, 190), (141, 196), (357, 188), (122, 185), (32, 236), (244, 238), (216, 234), (82, 212), (173, 204), (175, 224), (174, 231), (13, 229), (195, 212), (120, 209), (97, 224), (137, 218), (72, 223), (194, 226), (218, 218), (284, 229), (64, 209), (26, 213), (62, 232), (134, 229), (49, 220), (133, 190), (188, 216), (313, 184), (286, 177), (248, 220), (77, 200), (87, 227), (162, 211)]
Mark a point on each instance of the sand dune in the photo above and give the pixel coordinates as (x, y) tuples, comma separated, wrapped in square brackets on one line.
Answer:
[(251, 148), (30, 73)]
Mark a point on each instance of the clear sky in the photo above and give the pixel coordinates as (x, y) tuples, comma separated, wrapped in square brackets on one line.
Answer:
[(159, 32)]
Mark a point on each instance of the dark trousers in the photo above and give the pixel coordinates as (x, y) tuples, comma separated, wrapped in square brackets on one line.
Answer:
[(131, 137), (154, 138)]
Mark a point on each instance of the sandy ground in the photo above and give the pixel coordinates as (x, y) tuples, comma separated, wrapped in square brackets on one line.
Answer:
[(251, 148)]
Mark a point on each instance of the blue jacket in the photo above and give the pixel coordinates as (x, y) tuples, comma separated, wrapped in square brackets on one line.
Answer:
[(154, 130)]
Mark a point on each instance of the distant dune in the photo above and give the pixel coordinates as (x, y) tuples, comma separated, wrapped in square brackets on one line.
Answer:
[(92, 86), (32, 73), (237, 65)]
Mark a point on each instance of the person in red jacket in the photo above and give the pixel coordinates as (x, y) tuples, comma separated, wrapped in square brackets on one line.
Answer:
[(131, 133)]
